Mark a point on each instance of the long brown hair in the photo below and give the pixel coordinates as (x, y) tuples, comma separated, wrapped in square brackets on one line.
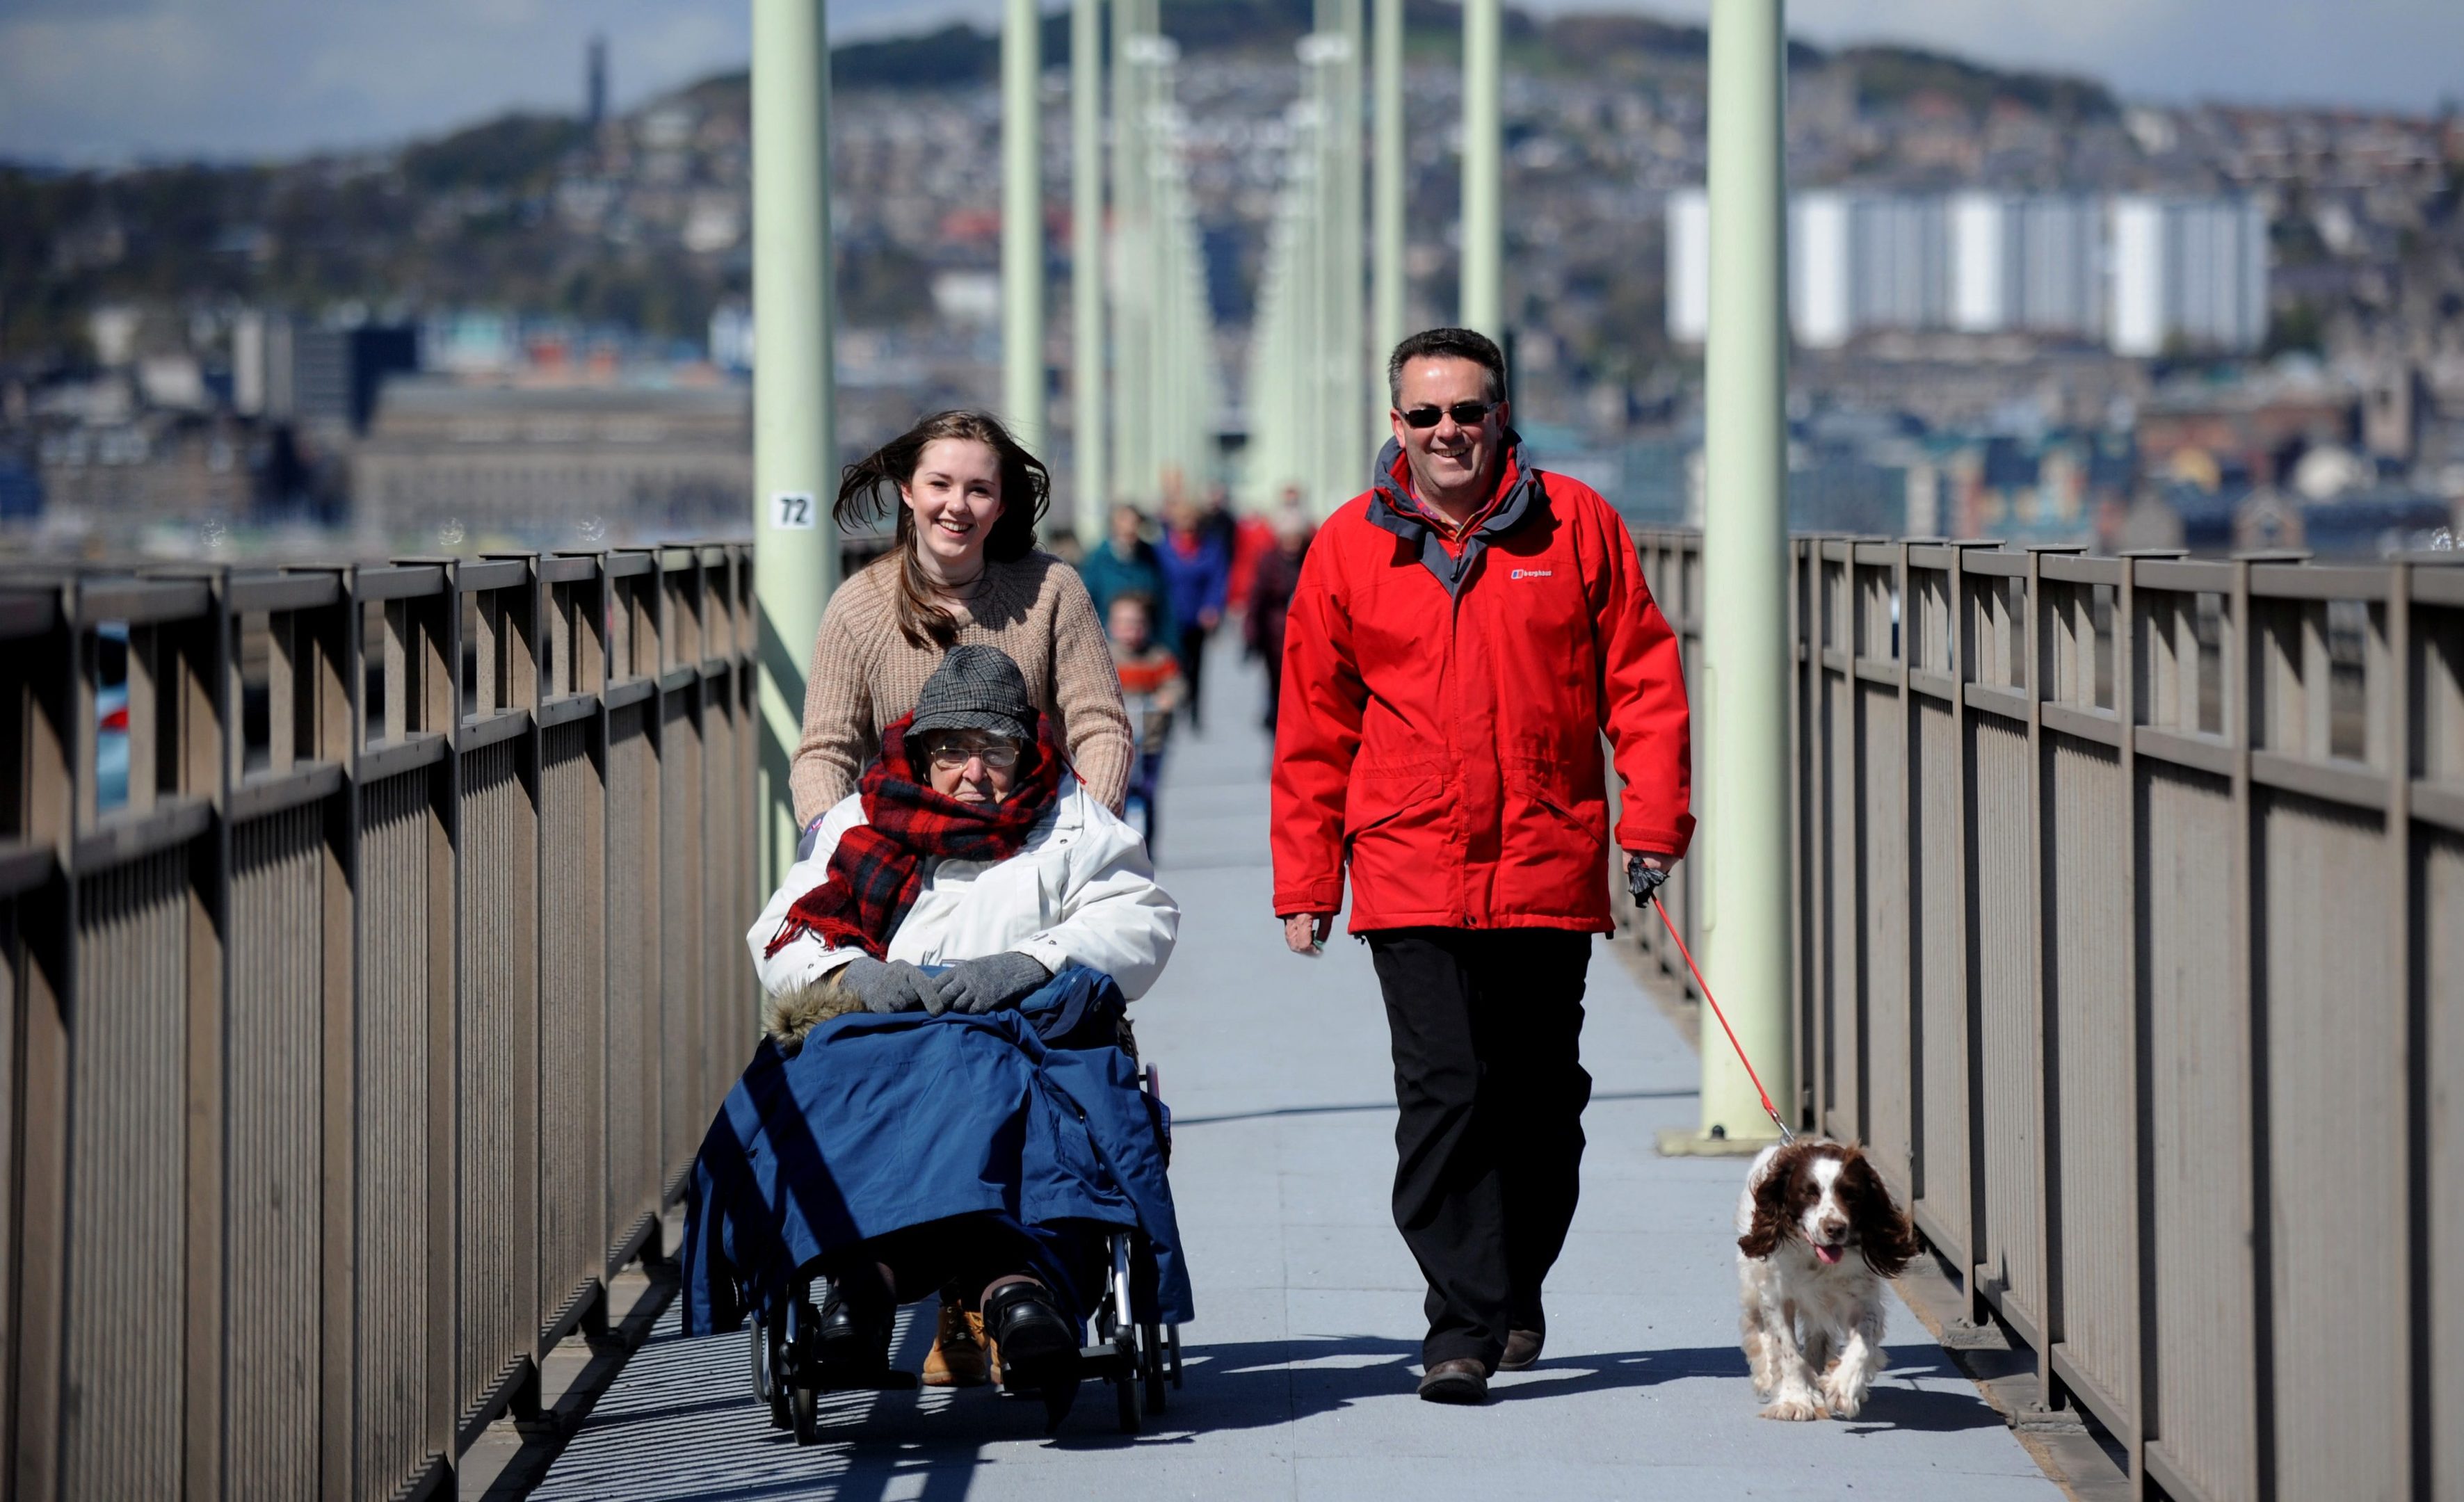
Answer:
[(868, 491)]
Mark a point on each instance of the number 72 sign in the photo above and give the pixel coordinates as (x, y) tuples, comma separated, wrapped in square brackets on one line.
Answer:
[(791, 511)]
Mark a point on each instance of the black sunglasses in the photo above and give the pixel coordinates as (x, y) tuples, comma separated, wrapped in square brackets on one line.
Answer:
[(1467, 414)]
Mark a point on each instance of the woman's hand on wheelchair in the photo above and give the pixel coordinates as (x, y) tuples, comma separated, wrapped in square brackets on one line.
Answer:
[(985, 985)]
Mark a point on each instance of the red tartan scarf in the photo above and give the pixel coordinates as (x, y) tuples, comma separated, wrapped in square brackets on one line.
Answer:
[(878, 867)]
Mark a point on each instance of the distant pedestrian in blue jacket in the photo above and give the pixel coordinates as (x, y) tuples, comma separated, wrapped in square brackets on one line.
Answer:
[(1126, 563), (1197, 572)]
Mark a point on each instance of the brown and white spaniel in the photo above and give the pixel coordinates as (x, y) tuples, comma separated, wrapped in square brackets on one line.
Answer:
[(1816, 1233)]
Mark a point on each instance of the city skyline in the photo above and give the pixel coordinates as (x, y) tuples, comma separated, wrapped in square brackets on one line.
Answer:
[(107, 82)]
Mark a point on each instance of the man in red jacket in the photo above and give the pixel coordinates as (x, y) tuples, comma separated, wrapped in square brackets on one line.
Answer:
[(1463, 636)]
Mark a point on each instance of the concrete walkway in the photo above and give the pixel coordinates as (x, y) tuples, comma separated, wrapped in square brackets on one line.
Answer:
[(1302, 1361)]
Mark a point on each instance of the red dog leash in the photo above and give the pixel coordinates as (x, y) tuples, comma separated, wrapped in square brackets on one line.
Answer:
[(1784, 1135)]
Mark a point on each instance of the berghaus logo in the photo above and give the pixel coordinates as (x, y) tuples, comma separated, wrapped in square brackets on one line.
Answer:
[(1532, 573)]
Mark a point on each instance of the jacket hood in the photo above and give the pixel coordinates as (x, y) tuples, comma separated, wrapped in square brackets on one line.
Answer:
[(1391, 508)]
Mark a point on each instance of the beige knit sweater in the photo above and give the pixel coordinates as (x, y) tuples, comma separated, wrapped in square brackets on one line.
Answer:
[(866, 675)]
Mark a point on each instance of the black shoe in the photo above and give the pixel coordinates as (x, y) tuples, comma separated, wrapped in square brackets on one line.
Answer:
[(855, 1328), (1039, 1349), (1460, 1381), (1026, 1327)]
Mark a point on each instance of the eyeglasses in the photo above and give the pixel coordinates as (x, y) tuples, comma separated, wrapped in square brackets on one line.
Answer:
[(1467, 414), (999, 755)]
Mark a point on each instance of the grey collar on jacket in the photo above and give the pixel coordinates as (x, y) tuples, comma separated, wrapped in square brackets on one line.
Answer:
[(1389, 509)]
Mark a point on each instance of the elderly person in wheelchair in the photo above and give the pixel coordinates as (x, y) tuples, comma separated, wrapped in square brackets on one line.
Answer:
[(944, 1099)]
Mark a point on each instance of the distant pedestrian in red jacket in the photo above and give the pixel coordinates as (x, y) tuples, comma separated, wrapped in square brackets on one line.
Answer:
[(1464, 635)]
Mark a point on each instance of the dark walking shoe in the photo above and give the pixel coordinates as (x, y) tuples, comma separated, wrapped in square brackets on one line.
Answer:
[(1039, 1349), (854, 1329), (1023, 1323), (1522, 1349), (1460, 1381)]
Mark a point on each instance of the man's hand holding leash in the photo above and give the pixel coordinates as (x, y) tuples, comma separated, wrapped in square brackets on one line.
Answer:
[(1645, 872)]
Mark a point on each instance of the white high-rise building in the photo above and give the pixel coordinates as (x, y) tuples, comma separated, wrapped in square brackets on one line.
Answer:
[(1821, 256), (1899, 261), (1687, 286), (2187, 272), (1981, 269), (2025, 263), (2138, 229), (2060, 278), (2137, 273)]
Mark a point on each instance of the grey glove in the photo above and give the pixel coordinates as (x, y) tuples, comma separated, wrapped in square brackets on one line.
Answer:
[(1642, 879), (982, 985), (896, 986)]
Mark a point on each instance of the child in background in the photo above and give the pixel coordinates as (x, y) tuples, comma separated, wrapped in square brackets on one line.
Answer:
[(1150, 690)]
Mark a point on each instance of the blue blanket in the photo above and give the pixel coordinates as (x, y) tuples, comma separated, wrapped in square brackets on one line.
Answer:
[(883, 1122)]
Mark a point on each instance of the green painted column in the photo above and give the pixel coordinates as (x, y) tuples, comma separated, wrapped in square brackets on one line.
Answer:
[(795, 443), (1742, 699), (1347, 458), (1483, 302), (1022, 246), (1386, 190), (1087, 374), (1130, 419)]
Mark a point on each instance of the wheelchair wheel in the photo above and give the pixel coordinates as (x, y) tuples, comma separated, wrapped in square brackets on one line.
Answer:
[(796, 1358), (759, 1343), (1125, 1399), (805, 1409), (774, 1346), (1151, 1365), (1171, 1338)]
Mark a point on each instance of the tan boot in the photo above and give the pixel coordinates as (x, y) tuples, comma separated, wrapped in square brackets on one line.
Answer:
[(958, 1358)]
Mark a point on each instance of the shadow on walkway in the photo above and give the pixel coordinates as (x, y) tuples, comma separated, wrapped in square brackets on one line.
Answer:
[(702, 1444), (1277, 1381)]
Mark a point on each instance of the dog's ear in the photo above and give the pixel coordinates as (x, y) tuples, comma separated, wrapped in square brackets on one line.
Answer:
[(1884, 1232), (1769, 1225)]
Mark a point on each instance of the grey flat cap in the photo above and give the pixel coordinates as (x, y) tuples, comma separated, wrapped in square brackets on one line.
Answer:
[(975, 688)]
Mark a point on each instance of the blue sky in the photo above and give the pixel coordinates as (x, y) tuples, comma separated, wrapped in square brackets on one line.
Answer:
[(113, 80)]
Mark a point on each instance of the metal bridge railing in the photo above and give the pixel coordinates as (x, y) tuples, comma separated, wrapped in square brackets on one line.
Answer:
[(357, 1044), (2130, 939)]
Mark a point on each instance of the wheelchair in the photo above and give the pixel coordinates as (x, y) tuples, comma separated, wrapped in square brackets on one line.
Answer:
[(1132, 1349)]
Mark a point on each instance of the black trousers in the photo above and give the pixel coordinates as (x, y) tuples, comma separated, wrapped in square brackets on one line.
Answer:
[(1489, 1075)]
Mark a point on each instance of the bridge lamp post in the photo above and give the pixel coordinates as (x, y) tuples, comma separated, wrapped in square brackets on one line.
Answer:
[(1386, 188), (1483, 299), (1087, 386), (794, 436), (1743, 688), (1022, 243)]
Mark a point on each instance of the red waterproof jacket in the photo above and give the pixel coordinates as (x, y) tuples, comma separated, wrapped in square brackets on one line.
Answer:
[(1442, 708)]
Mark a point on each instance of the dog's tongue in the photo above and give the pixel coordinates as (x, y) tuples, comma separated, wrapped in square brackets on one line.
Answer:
[(1830, 1255)]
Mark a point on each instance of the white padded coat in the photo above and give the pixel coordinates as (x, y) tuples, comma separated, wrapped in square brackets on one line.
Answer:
[(1080, 892)]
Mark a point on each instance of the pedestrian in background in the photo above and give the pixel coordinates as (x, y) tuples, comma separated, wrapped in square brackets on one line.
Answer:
[(1197, 573), (1215, 515), (1273, 580), (1253, 538), (1464, 635), (1126, 563), (1152, 689)]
